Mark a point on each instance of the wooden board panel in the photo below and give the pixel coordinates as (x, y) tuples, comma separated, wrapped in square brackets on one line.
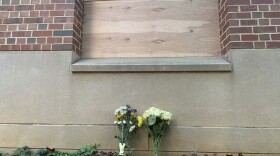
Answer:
[(151, 28)]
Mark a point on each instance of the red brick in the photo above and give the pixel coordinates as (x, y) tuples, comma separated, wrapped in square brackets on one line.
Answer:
[(45, 1), (24, 13), (41, 33), (57, 1), (232, 9), (35, 1), (46, 47), (25, 1), (33, 20), (21, 33), (70, 13), (3, 27), (30, 47), (273, 44), (223, 36), (241, 45), (36, 47), (64, 6), (34, 13), (5, 34), (44, 13), (237, 2), (12, 27), (10, 47), (262, 1), (48, 19), (4, 14), (249, 8), (249, 37), (44, 7), (56, 13), (63, 19), (7, 8), (259, 45), (239, 15), (54, 40), (21, 40), (275, 21), (62, 47), (2, 41), (32, 26), (271, 14), (264, 29), (12, 20), (22, 27), (14, 14), (275, 36), (75, 42), (25, 47), (263, 7), (275, 7), (248, 22), (68, 40), (24, 7), (68, 26), (55, 26), (263, 21), (41, 40), (238, 30)]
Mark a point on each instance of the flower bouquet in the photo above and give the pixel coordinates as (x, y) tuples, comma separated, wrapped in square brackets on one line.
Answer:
[(126, 123), (157, 122)]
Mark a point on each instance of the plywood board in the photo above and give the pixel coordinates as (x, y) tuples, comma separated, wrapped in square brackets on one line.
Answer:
[(151, 28)]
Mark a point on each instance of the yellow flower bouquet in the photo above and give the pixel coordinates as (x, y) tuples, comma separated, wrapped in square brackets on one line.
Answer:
[(156, 121), (126, 123)]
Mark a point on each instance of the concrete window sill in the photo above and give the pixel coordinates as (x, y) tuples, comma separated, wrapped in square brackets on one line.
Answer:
[(187, 64)]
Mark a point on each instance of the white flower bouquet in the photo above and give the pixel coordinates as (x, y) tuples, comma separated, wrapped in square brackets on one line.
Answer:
[(157, 121), (126, 123)]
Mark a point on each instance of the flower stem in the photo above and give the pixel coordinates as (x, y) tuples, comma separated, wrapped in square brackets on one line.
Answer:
[(156, 144)]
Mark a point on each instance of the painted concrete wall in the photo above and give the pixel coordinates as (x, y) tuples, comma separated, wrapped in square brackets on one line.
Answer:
[(44, 104)]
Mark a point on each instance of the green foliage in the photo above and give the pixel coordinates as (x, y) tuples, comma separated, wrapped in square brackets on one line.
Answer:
[(87, 150), (26, 151), (58, 153), (3, 154), (152, 120)]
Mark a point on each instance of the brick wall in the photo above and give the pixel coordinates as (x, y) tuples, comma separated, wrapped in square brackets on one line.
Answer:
[(249, 24), (48, 25)]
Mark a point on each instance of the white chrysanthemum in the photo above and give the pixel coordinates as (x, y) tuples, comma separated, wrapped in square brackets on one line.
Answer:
[(147, 113), (115, 122), (166, 116), (132, 128), (122, 110)]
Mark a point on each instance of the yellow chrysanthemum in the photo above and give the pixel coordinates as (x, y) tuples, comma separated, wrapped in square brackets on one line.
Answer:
[(118, 116), (140, 121)]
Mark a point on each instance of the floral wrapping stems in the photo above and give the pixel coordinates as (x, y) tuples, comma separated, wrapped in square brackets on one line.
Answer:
[(156, 122), (126, 123)]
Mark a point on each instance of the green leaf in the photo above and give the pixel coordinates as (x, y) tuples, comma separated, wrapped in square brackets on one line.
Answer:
[(152, 120)]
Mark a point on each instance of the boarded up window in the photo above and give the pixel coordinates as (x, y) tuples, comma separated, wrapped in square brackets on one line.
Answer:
[(151, 28)]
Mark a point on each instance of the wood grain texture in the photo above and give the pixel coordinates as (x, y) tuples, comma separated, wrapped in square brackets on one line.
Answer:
[(151, 28)]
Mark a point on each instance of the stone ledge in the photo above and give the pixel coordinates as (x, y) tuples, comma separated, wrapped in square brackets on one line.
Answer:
[(187, 64)]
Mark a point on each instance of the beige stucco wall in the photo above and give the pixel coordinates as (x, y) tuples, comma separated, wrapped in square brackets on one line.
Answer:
[(44, 104)]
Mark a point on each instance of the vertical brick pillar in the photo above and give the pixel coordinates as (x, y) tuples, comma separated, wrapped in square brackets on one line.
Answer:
[(249, 24), (41, 25)]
